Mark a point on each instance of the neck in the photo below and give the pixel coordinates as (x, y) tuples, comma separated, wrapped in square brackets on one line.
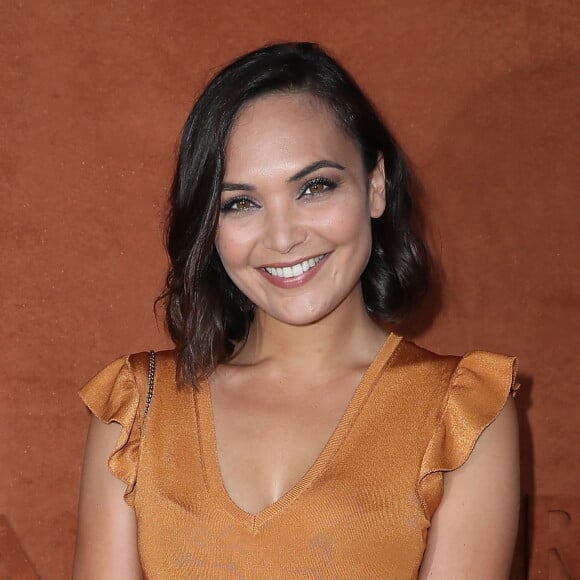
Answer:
[(346, 336)]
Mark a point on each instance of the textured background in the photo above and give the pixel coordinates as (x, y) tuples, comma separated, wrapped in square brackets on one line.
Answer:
[(484, 97)]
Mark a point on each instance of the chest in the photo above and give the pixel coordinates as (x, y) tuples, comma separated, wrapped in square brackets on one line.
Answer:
[(268, 439), (346, 508), (355, 513), (352, 513)]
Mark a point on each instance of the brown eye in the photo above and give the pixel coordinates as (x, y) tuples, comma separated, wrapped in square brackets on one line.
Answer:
[(238, 204), (243, 204), (318, 186)]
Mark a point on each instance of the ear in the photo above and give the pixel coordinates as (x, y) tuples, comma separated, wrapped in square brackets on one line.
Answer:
[(377, 189)]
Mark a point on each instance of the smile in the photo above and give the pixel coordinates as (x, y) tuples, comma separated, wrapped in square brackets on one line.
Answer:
[(296, 269)]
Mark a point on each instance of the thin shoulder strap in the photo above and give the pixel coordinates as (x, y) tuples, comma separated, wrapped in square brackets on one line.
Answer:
[(150, 381)]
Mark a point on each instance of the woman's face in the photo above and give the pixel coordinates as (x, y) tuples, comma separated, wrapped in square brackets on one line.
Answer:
[(294, 228)]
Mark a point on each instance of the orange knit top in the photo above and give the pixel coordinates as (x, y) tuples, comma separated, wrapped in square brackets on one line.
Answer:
[(361, 511)]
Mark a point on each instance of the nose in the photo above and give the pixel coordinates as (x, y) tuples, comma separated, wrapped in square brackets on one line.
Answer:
[(284, 230)]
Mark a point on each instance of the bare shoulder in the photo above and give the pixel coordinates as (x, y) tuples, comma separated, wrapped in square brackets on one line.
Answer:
[(106, 535), (474, 528)]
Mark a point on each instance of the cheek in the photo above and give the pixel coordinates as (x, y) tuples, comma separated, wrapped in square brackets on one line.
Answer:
[(234, 243), (348, 223)]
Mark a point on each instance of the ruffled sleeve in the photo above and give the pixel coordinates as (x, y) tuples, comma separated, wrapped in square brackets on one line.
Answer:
[(478, 390), (112, 395)]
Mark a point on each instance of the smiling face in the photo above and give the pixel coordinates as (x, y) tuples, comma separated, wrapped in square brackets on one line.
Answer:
[(294, 229)]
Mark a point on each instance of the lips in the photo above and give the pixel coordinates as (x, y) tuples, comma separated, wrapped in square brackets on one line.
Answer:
[(290, 264), (297, 269), (293, 275)]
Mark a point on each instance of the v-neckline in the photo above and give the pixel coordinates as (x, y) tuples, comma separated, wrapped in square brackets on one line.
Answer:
[(209, 454)]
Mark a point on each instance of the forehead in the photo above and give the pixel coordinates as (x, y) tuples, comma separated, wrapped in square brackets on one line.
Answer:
[(290, 130)]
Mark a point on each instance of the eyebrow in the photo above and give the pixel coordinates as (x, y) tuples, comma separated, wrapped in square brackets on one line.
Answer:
[(299, 175)]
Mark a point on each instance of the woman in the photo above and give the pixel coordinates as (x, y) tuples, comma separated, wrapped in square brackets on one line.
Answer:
[(289, 435)]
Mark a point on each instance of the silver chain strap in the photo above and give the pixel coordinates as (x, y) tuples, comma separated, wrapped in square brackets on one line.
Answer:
[(150, 381)]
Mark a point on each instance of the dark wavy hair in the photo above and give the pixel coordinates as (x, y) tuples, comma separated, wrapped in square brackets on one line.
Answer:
[(206, 314)]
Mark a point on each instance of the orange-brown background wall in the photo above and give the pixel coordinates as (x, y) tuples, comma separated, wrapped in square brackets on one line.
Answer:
[(483, 95)]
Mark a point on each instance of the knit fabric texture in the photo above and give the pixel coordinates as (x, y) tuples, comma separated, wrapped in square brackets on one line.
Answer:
[(361, 511)]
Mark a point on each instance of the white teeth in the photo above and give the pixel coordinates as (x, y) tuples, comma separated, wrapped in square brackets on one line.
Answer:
[(296, 270)]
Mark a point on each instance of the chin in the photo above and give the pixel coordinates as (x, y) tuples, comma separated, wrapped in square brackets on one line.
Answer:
[(300, 314), (302, 319)]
